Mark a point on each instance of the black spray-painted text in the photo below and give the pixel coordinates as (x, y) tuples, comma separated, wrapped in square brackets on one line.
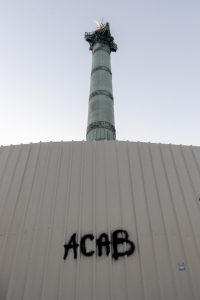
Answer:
[(118, 246)]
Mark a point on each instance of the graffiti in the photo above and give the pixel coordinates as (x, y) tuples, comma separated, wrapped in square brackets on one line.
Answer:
[(118, 246)]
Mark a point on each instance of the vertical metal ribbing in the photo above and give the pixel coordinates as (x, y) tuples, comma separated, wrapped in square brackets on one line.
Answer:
[(101, 125)]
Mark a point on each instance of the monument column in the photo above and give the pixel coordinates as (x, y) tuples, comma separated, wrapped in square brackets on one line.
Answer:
[(101, 125)]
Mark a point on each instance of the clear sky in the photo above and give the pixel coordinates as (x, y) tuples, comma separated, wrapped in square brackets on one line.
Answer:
[(45, 69)]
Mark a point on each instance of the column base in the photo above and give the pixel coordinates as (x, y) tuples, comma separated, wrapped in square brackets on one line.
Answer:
[(99, 134)]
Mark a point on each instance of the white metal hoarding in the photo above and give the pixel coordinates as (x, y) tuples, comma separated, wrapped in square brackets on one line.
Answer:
[(82, 195)]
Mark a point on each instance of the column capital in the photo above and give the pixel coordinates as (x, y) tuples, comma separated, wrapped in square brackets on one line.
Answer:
[(103, 36)]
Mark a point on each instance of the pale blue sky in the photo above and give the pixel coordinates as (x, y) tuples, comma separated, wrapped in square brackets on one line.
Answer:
[(45, 69)]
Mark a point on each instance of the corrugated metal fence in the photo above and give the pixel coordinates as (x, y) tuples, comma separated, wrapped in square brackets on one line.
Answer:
[(49, 191)]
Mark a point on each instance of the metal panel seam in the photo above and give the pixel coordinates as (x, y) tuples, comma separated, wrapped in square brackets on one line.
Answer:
[(162, 216), (116, 146), (22, 227), (51, 219), (176, 218), (108, 218), (80, 220), (17, 199), (135, 217), (66, 218), (93, 216), (34, 233), (148, 214)]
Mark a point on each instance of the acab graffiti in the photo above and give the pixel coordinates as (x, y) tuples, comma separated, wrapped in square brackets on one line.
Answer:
[(119, 245)]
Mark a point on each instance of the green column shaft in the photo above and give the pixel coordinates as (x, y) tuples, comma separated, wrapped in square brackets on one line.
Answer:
[(101, 109), (101, 124)]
